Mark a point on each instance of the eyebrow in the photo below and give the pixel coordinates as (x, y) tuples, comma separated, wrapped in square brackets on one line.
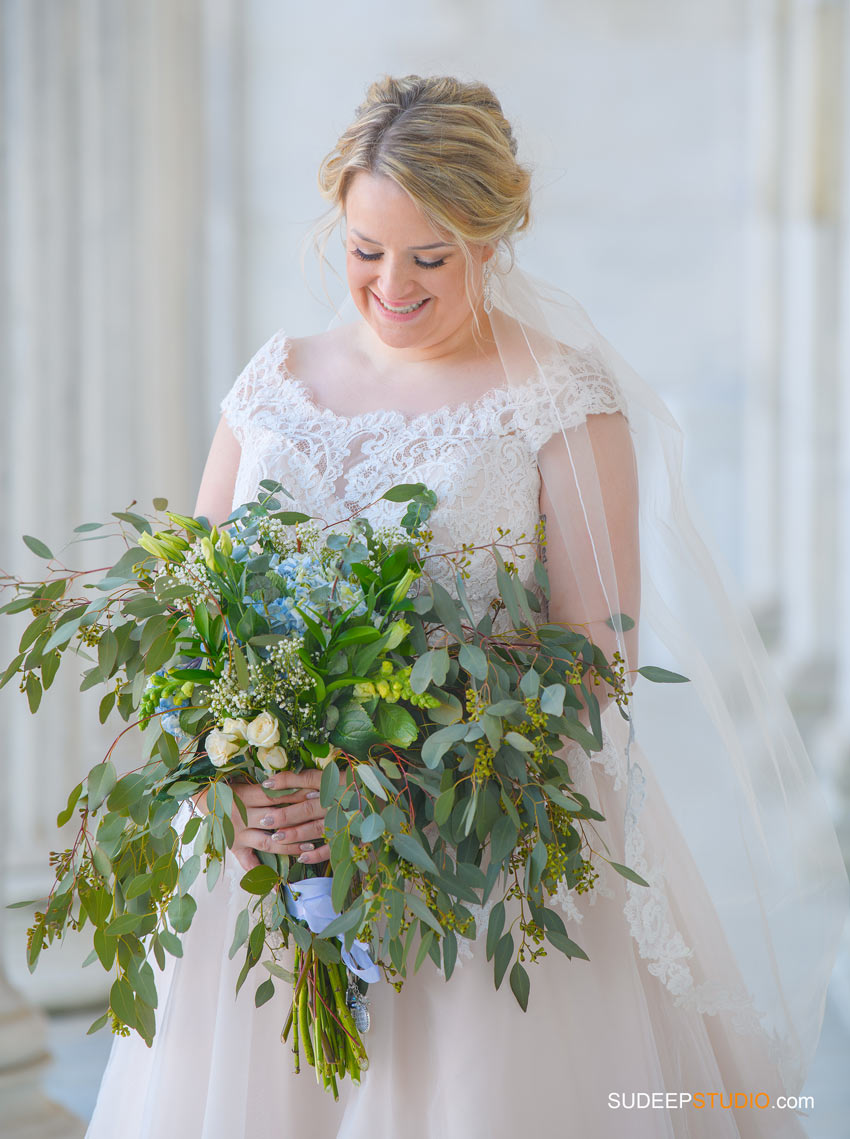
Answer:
[(412, 248)]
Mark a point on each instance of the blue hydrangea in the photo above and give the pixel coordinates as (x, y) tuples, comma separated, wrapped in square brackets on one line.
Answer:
[(302, 573), (171, 720), (280, 614)]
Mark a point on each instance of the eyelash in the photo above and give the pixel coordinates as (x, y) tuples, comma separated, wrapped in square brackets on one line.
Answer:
[(374, 257)]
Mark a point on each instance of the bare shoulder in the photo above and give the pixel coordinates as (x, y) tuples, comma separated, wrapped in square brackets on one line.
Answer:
[(322, 352)]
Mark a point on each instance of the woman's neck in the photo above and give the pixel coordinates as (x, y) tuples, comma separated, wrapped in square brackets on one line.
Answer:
[(460, 350)]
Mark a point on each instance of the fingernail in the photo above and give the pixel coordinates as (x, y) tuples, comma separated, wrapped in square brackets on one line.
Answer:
[(308, 846), (268, 783), (278, 836), (268, 821), (302, 858), (312, 795)]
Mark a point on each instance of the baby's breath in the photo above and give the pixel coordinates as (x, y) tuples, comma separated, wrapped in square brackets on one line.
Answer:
[(302, 537), (192, 572), (228, 699)]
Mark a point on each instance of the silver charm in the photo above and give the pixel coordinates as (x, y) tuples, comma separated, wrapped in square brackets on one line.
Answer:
[(488, 287), (358, 1005)]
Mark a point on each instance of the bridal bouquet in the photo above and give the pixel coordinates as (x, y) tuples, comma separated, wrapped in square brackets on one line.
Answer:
[(279, 643)]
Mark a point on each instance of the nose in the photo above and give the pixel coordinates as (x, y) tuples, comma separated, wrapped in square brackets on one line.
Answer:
[(394, 280)]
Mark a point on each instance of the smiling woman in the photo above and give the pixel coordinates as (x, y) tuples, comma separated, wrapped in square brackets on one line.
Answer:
[(410, 303), (705, 969)]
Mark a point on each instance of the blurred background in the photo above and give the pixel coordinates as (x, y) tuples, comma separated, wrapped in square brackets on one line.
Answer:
[(159, 157)]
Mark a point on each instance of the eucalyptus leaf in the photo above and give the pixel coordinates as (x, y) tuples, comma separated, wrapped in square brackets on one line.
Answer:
[(446, 609), (502, 956), (417, 906), (412, 850), (627, 872), (520, 985), (443, 806), (521, 743), (100, 782), (495, 927), (565, 944), (552, 699), (121, 1002), (662, 675), (369, 777), (259, 880), (473, 660), (439, 742), (371, 828), (38, 547)]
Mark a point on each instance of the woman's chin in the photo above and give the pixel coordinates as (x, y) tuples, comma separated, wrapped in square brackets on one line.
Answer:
[(397, 335)]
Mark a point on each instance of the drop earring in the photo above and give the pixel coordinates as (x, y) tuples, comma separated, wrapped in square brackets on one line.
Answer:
[(488, 287)]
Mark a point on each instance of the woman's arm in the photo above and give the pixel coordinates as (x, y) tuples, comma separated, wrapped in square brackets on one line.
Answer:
[(579, 533), (215, 495)]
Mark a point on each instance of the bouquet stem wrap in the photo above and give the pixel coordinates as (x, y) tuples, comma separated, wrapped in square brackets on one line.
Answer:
[(310, 901)]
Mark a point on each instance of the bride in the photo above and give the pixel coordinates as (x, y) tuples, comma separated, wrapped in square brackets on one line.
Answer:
[(700, 1002)]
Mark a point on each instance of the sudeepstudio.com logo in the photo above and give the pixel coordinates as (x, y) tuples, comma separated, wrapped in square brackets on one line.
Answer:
[(727, 1101)]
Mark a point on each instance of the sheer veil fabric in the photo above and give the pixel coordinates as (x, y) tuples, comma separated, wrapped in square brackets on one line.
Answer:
[(722, 751)]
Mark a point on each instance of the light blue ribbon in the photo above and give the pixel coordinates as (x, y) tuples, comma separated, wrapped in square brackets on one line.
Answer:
[(310, 900)]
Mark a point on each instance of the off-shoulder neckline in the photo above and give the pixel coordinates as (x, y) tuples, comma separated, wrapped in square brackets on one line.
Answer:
[(465, 411)]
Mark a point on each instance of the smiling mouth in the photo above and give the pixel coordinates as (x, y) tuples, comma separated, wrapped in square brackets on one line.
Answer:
[(403, 308)]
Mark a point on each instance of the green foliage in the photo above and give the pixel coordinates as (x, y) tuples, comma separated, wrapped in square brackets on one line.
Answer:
[(462, 741)]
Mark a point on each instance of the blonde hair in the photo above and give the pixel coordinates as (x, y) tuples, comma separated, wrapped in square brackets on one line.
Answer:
[(449, 146)]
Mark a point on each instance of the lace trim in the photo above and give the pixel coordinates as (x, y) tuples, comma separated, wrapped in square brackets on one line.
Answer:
[(653, 930), (652, 927), (266, 393), (647, 910), (648, 914)]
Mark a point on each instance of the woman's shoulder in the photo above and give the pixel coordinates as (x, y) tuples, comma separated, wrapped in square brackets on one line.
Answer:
[(583, 378), (265, 385), (256, 383), (265, 362), (571, 384), (322, 353)]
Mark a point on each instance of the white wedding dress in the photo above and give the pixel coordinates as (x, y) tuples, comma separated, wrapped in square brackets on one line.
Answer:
[(458, 1060)]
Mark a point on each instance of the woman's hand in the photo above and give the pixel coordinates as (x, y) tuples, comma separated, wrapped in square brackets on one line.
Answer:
[(290, 824)]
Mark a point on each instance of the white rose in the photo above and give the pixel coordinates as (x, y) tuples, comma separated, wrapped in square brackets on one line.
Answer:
[(264, 731), (220, 747), (235, 729), (324, 760), (272, 758)]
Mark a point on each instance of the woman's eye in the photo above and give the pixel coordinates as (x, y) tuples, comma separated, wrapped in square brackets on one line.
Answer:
[(374, 257)]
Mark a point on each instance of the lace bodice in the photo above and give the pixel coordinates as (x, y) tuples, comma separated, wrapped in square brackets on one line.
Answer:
[(478, 457)]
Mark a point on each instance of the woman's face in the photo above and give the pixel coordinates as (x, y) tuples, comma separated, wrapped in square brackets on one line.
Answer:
[(406, 278)]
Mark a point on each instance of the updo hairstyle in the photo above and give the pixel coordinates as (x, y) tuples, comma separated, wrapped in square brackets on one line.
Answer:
[(448, 144)]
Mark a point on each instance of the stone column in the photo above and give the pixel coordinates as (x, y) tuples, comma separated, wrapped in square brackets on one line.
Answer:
[(832, 739), (760, 428), (798, 410), (806, 372), (118, 276), (26, 1112)]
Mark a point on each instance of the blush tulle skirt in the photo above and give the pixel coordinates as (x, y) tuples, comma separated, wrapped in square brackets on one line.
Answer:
[(460, 1060)]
